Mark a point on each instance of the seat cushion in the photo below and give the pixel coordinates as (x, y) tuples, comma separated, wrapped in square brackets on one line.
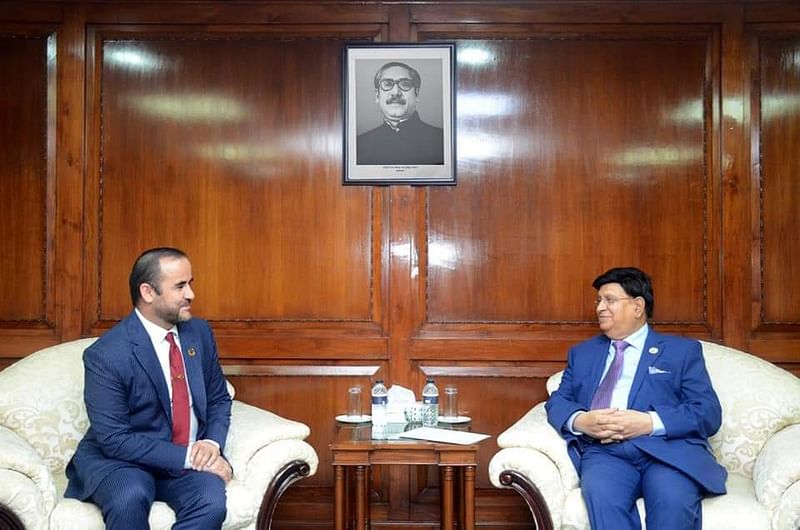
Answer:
[(738, 510), (70, 514)]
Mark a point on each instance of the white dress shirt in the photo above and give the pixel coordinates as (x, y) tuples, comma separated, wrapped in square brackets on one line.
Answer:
[(158, 336)]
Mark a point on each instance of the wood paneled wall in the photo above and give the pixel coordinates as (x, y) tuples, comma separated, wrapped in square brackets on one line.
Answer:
[(660, 134)]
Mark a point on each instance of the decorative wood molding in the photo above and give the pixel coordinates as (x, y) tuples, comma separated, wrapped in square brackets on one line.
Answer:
[(248, 370)]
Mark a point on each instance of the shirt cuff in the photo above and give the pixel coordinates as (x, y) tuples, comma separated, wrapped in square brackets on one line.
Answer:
[(571, 420), (658, 425), (187, 462)]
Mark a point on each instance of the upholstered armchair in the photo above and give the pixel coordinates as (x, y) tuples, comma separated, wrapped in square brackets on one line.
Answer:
[(42, 419), (758, 443)]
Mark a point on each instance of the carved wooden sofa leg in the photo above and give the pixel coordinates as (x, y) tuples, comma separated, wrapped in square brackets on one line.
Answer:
[(288, 475), (533, 498), (8, 520)]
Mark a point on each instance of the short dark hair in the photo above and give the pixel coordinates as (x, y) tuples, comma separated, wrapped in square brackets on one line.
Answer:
[(147, 269), (633, 281), (415, 78)]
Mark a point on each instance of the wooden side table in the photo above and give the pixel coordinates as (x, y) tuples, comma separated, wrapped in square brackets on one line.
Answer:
[(354, 450)]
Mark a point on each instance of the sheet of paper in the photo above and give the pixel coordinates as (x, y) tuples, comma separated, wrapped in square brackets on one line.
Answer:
[(444, 435)]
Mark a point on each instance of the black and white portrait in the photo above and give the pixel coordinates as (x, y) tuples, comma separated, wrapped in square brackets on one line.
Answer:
[(399, 114)]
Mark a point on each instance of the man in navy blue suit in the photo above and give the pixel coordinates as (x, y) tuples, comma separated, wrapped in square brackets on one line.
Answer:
[(637, 408), (158, 407)]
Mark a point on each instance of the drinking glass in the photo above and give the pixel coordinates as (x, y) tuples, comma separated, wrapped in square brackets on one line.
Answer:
[(354, 402), (450, 406)]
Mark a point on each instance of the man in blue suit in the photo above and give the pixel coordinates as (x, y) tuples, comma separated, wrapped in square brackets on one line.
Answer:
[(158, 407), (637, 408)]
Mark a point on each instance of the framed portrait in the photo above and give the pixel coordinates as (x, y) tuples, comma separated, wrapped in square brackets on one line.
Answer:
[(399, 113)]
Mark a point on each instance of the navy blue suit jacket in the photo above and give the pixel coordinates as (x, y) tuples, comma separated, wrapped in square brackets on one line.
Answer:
[(127, 401), (677, 387)]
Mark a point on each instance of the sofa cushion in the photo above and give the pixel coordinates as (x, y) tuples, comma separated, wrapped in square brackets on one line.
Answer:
[(51, 418), (758, 399)]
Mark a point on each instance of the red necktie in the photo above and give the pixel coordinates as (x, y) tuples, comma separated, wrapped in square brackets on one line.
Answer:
[(180, 395), (602, 398)]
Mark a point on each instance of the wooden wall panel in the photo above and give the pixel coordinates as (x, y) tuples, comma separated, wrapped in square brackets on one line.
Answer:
[(655, 133), (252, 140), (26, 182), (559, 180), (778, 104)]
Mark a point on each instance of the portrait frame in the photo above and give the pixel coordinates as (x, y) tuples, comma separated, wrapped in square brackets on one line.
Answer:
[(395, 141)]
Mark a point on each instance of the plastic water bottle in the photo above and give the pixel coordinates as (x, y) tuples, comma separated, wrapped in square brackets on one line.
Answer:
[(430, 401), (380, 403)]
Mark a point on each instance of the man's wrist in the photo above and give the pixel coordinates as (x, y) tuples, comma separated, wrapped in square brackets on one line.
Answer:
[(212, 442), (571, 422), (658, 425)]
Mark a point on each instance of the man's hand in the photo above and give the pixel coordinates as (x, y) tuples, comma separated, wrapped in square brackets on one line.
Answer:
[(613, 425), (629, 424), (204, 455), (221, 468), (598, 424)]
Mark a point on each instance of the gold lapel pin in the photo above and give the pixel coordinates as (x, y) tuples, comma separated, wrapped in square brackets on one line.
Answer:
[(652, 350), (192, 352)]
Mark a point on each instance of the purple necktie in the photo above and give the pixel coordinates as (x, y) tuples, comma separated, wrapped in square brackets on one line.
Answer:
[(602, 398)]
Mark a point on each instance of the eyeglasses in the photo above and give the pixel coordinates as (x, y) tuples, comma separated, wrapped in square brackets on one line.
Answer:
[(404, 83), (610, 300)]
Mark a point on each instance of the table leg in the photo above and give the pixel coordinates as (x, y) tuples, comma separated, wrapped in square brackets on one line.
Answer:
[(469, 498), (338, 504), (446, 486), (362, 520), (459, 497)]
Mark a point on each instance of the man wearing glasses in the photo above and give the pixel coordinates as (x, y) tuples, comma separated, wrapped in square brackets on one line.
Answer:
[(637, 408), (403, 138)]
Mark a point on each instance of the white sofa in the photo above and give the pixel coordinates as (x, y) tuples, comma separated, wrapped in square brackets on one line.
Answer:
[(758, 443), (42, 419)]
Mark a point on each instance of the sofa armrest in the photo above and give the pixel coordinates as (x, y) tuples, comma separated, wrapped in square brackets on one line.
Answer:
[(538, 471), (271, 459), (777, 470), (253, 429), (268, 454), (28, 486), (533, 432)]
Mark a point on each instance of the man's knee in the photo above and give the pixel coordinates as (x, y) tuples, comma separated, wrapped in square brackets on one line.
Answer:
[(128, 506), (209, 503), (215, 504), (674, 505)]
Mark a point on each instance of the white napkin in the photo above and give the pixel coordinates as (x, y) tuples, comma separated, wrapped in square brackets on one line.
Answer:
[(399, 398)]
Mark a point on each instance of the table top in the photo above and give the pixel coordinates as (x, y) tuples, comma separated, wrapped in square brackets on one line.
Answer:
[(355, 445)]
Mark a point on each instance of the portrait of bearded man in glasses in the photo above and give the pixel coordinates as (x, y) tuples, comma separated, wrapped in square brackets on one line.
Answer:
[(403, 138)]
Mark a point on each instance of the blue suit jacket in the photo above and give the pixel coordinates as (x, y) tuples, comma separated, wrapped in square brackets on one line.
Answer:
[(677, 388), (127, 401)]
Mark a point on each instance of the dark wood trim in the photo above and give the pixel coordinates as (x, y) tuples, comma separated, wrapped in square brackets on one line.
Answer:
[(9, 520), (289, 474), (533, 498)]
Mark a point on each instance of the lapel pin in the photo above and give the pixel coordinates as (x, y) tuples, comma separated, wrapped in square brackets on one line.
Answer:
[(192, 352), (652, 350)]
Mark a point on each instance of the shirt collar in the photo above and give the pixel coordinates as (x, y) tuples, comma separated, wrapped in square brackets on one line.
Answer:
[(156, 333), (638, 337)]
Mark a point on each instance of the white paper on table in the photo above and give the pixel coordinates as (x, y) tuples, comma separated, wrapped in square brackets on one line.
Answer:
[(445, 435)]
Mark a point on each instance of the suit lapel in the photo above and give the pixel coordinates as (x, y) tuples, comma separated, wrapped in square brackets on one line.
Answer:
[(653, 348), (192, 358), (146, 355)]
